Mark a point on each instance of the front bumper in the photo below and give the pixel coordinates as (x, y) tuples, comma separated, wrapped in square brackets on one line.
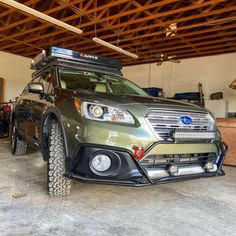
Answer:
[(130, 171)]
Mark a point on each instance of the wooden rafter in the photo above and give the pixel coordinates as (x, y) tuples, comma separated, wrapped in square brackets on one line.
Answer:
[(203, 27)]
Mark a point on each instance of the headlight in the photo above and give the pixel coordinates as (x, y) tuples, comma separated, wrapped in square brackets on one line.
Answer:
[(101, 112), (96, 111), (211, 122)]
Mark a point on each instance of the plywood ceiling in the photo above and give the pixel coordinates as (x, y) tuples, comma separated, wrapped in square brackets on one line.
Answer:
[(204, 27)]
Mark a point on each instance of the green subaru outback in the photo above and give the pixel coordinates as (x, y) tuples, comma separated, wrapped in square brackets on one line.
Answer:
[(92, 124)]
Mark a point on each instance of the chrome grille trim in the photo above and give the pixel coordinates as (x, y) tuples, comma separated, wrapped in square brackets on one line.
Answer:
[(163, 122)]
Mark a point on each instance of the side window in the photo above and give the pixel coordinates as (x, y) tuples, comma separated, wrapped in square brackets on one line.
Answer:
[(46, 80)]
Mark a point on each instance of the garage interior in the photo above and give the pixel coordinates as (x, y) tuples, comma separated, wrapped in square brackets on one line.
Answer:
[(186, 51)]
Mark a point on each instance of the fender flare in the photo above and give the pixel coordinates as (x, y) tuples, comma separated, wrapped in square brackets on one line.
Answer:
[(50, 115)]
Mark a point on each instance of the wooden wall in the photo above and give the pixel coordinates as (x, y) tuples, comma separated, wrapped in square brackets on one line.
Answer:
[(228, 131)]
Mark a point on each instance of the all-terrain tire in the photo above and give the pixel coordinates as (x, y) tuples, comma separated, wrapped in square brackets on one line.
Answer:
[(18, 144), (58, 184)]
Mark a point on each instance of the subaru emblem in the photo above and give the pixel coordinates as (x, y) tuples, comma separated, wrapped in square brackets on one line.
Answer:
[(186, 120)]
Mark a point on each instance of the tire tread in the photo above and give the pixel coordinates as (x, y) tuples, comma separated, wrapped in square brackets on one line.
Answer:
[(58, 184), (20, 145)]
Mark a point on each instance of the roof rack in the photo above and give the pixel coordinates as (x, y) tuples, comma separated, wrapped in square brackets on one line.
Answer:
[(52, 53)]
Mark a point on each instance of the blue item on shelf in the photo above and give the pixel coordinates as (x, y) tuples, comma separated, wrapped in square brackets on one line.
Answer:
[(153, 91), (187, 96)]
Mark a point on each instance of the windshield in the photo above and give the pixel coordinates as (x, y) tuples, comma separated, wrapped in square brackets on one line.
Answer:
[(97, 82)]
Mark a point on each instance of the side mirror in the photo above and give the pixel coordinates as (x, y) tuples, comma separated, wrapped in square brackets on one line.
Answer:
[(36, 88)]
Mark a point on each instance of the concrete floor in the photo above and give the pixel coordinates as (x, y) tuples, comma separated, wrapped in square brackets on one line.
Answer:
[(198, 207)]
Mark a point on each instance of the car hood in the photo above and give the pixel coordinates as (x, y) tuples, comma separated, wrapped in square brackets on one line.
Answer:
[(139, 102)]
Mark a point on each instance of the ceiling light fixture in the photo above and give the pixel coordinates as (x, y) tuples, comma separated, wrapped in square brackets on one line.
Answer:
[(171, 30), (41, 15), (113, 47)]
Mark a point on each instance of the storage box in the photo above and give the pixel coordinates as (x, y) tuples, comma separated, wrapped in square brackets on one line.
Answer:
[(218, 107), (228, 130)]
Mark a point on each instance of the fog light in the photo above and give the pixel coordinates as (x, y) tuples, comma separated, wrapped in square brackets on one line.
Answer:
[(209, 165), (101, 163), (173, 169)]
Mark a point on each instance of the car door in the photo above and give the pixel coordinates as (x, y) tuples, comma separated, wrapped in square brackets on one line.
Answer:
[(40, 104), (23, 111)]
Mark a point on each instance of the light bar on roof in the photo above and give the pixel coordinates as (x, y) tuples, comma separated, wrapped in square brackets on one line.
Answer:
[(113, 47), (41, 15)]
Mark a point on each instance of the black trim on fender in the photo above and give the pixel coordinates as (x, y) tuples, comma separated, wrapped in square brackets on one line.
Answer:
[(224, 150), (46, 115)]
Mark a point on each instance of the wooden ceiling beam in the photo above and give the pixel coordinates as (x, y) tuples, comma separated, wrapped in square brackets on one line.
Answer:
[(138, 30), (206, 50), (176, 5), (181, 55), (187, 43), (62, 39), (48, 12), (200, 10), (164, 2), (20, 42), (155, 16), (184, 56), (182, 48), (138, 5), (173, 12), (136, 14), (198, 45), (147, 12), (203, 50), (109, 26), (66, 19), (217, 50), (179, 29), (94, 19), (67, 4), (189, 26), (158, 25), (169, 49), (201, 38), (12, 10), (140, 9), (166, 45), (187, 18), (193, 33), (183, 19)]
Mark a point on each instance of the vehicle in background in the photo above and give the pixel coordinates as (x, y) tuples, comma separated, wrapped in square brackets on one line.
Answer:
[(5, 118)]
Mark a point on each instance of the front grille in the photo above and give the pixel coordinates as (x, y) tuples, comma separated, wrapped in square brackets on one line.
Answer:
[(164, 122), (177, 159)]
